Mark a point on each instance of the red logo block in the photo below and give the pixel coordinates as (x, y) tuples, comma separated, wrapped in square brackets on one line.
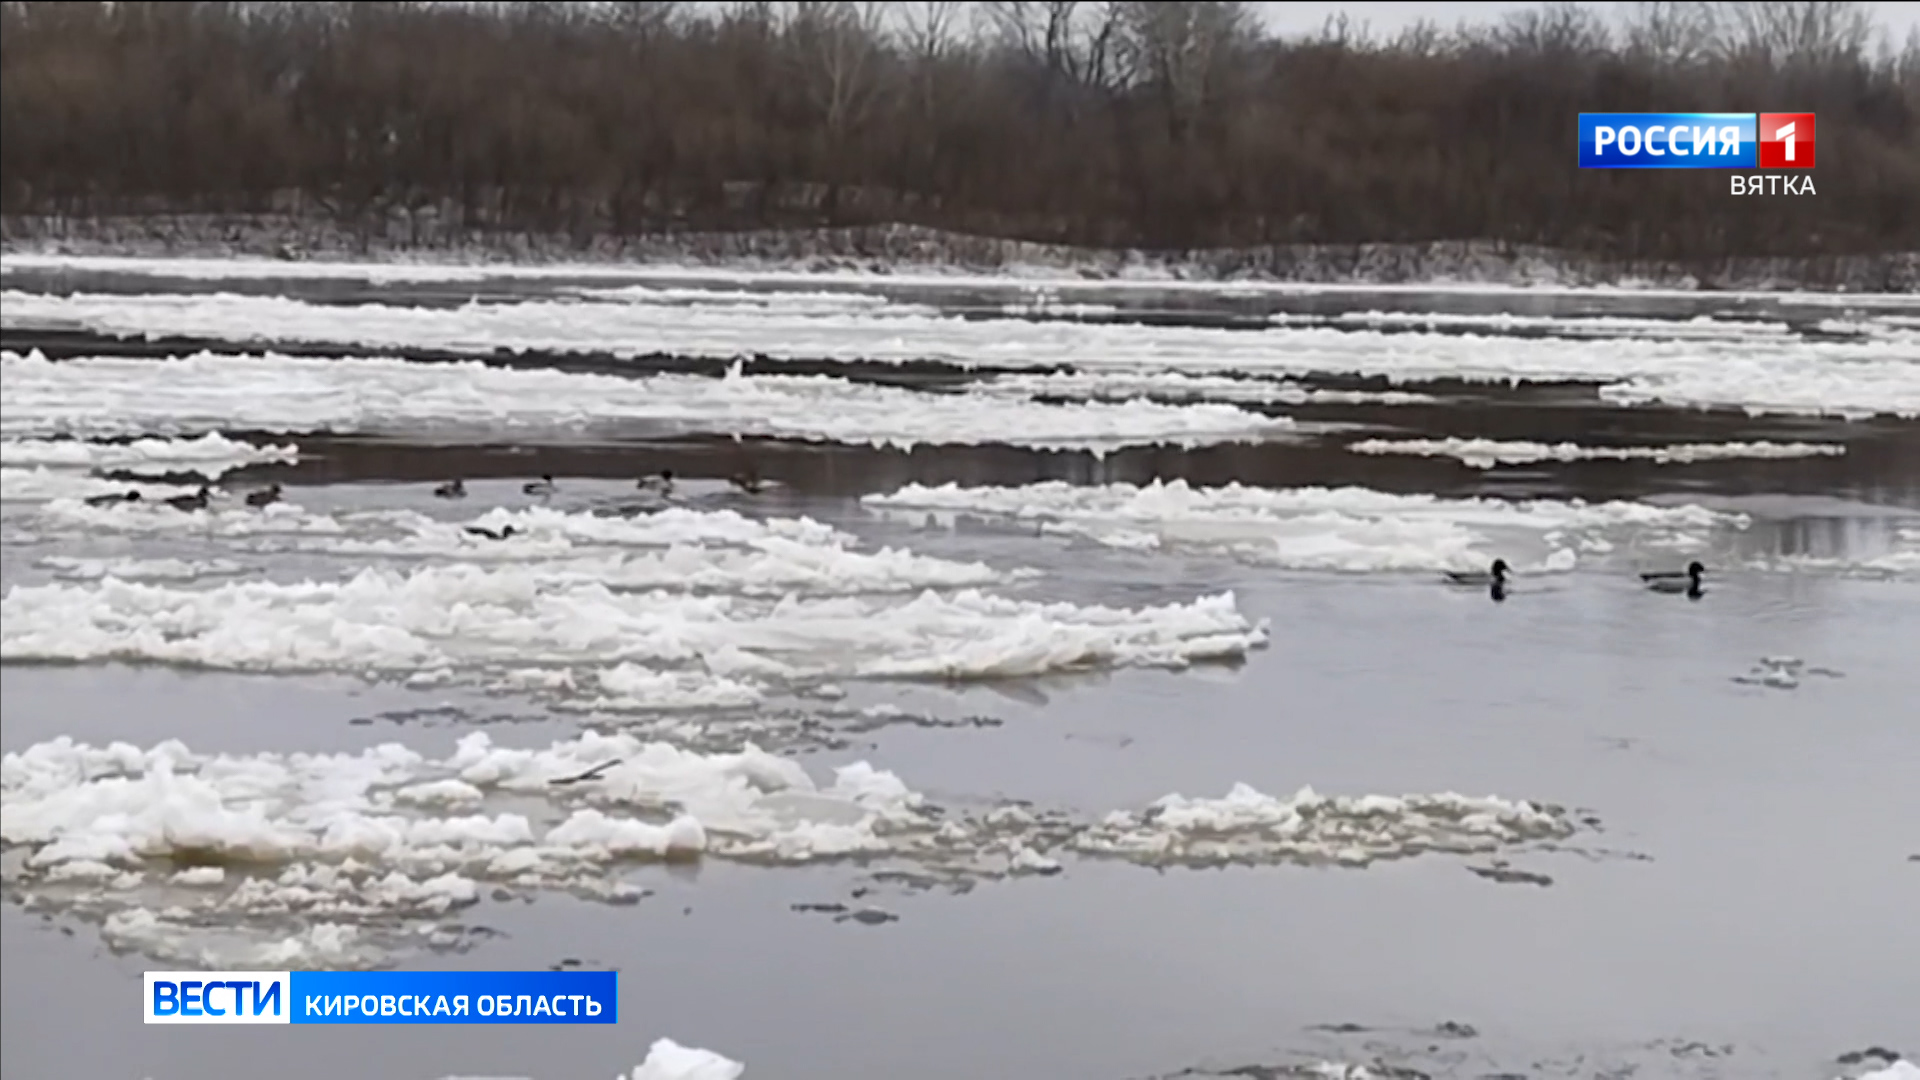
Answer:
[(1786, 140)]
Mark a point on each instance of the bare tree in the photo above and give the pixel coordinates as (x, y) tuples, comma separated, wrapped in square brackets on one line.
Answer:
[(1094, 123), (1179, 50), (1797, 32), (1072, 39), (840, 43), (1672, 31), (1554, 30)]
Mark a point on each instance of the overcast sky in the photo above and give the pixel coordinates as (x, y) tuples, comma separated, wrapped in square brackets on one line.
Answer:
[(1386, 16)]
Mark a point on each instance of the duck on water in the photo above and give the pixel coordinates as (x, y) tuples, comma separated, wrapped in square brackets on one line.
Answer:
[(452, 489), (1493, 575), (542, 486), (113, 498), (501, 533), (1677, 581), (195, 501)]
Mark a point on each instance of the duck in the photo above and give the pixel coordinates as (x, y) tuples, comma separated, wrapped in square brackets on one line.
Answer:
[(748, 482), (501, 533), (264, 496), (1496, 575), (452, 489), (114, 498), (542, 486), (189, 503), (1677, 581), (661, 485)]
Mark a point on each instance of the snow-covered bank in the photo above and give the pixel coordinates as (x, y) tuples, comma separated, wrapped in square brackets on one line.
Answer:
[(893, 250), (1860, 376)]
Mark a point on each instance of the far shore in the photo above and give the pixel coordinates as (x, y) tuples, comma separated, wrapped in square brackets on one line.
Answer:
[(902, 250)]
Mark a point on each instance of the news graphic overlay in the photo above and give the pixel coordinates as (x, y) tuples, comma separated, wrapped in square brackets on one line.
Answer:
[(1786, 140), (1668, 140), (381, 997)]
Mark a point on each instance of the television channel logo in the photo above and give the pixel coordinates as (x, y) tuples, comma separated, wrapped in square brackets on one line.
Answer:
[(1786, 140), (1667, 140)]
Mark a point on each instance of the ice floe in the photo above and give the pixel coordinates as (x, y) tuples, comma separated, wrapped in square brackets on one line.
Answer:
[(668, 1060), (1038, 279), (675, 549), (677, 609), (1699, 328), (485, 620), (1313, 528), (1488, 453), (110, 396), (73, 568), (1178, 386), (43, 484), (211, 455), (198, 856), (1787, 373)]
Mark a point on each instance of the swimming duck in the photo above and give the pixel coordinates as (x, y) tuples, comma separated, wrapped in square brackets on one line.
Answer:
[(1676, 581), (452, 489), (1494, 575), (116, 497), (195, 501), (660, 485), (264, 496), (748, 482), (501, 533), (542, 486)]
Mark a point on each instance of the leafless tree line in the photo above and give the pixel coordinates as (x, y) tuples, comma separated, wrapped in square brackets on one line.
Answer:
[(1114, 124)]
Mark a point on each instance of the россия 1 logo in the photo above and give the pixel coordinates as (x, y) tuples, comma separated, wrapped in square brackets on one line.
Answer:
[(1786, 140), (1705, 141)]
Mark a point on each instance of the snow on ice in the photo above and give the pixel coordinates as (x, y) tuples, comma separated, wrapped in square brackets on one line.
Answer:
[(372, 849), (1741, 368), (1313, 528), (101, 397)]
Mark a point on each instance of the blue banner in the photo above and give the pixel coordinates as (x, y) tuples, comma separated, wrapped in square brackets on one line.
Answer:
[(454, 997), (1668, 140)]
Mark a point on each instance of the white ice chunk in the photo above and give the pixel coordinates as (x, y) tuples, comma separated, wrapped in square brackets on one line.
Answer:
[(1733, 366), (211, 455), (1487, 453), (1314, 528), (95, 397), (668, 1060)]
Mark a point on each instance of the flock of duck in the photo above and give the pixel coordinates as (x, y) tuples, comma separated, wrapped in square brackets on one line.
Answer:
[(188, 503), (1494, 579), (660, 487)]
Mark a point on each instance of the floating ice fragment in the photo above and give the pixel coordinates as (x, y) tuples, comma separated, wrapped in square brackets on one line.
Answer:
[(668, 1060), (357, 847), (1718, 364), (97, 397), (1314, 528), (212, 455), (384, 622), (1488, 453)]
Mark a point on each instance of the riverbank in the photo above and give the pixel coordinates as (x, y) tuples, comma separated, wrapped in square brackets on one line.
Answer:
[(428, 236)]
